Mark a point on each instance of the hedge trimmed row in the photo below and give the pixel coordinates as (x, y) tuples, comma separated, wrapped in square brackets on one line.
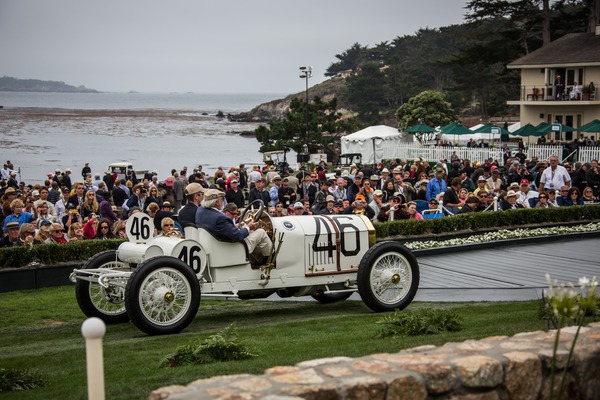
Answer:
[(487, 220), (51, 254)]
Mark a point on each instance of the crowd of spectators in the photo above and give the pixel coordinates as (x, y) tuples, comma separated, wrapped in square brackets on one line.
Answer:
[(66, 209)]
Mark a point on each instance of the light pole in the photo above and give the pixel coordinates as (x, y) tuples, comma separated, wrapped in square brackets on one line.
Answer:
[(305, 73)]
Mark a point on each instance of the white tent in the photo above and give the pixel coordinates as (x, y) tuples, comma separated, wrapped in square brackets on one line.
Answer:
[(372, 140)]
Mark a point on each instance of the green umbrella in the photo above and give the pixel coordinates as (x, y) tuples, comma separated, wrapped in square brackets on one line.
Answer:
[(455, 129), (555, 127), (590, 127), (527, 130), (420, 128)]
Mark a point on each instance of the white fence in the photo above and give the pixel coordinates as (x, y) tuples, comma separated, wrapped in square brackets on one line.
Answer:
[(410, 151)]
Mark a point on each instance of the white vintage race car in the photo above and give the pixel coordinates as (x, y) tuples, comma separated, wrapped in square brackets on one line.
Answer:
[(157, 282)]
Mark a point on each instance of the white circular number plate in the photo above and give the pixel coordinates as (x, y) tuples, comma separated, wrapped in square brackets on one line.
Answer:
[(139, 228)]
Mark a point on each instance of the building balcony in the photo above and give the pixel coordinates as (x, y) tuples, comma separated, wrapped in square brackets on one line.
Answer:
[(551, 95)]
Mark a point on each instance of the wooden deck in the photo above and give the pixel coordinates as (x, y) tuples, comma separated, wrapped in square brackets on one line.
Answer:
[(507, 273)]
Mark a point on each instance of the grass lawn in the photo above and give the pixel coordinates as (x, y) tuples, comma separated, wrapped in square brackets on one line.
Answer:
[(41, 330)]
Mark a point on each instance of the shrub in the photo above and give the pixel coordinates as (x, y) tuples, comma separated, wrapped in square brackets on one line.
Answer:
[(222, 346), (426, 321), (17, 379)]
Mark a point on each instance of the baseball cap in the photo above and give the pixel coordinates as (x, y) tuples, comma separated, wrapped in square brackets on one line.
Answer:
[(298, 205), (359, 197), (524, 182)]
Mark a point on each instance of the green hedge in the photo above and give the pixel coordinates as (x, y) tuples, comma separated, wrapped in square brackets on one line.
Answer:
[(487, 221), (49, 254)]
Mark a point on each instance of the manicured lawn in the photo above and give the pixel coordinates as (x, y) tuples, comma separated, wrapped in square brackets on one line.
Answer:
[(41, 330)]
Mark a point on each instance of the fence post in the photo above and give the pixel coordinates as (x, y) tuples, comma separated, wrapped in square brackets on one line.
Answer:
[(93, 330)]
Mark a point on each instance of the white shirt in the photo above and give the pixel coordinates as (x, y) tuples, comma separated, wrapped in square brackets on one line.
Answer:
[(554, 179), (524, 197)]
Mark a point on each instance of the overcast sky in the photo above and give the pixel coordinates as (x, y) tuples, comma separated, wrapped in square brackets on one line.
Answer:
[(219, 46)]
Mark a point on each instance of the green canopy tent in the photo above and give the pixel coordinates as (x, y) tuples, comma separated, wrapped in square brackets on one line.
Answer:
[(527, 130), (455, 129), (493, 130), (590, 127), (422, 132)]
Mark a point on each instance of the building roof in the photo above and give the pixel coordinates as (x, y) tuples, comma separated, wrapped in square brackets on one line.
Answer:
[(571, 49)]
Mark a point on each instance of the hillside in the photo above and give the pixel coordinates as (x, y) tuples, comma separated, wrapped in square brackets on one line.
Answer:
[(276, 109), (9, 84)]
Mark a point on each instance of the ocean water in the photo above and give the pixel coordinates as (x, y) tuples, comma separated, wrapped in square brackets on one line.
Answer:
[(40, 132)]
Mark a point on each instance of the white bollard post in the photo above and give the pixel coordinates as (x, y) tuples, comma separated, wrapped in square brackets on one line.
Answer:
[(93, 330)]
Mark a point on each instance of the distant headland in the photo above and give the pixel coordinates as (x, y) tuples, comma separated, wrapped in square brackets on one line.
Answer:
[(10, 84)]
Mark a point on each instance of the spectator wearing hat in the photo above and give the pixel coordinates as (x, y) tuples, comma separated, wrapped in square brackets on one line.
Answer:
[(9, 195), (194, 193), (18, 215), (43, 232), (165, 211), (494, 182), (436, 185), (12, 234), (12, 181), (360, 207), (259, 193), (299, 209), (274, 190), (355, 188), (510, 201), (210, 217), (286, 195), (526, 194), (376, 203), (395, 209), (44, 198), (234, 194), (328, 209)]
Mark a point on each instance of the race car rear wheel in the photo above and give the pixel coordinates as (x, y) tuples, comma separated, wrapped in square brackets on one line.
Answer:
[(162, 296), (388, 277), (106, 303)]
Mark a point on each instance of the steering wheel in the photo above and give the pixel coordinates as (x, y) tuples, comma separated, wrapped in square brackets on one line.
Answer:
[(252, 213)]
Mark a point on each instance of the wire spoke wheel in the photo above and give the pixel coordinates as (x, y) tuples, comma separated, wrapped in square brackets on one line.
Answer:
[(165, 296), (106, 303), (388, 277), (162, 296)]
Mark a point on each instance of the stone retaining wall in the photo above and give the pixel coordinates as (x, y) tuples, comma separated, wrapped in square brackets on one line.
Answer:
[(499, 367)]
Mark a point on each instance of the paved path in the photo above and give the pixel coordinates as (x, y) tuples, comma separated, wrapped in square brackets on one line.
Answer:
[(515, 272)]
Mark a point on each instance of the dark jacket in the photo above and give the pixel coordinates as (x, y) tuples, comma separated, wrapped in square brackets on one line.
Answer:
[(220, 225)]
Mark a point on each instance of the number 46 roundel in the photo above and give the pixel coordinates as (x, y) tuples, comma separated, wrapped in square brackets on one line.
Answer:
[(191, 253)]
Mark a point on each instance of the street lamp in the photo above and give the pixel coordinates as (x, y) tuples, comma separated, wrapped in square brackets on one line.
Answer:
[(305, 73)]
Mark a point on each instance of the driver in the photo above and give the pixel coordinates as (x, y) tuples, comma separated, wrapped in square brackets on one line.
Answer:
[(210, 217)]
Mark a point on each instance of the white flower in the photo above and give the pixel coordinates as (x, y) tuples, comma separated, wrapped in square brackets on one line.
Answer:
[(584, 282)]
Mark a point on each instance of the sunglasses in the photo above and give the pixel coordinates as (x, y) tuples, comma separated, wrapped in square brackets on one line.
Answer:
[(31, 232), (543, 197), (168, 225), (58, 231), (104, 227)]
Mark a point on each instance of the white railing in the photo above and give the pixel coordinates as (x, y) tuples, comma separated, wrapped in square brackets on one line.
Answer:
[(432, 153), (587, 154), (543, 151)]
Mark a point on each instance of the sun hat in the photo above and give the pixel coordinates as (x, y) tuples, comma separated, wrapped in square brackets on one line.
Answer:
[(511, 193), (298, 205), (329, 198)]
